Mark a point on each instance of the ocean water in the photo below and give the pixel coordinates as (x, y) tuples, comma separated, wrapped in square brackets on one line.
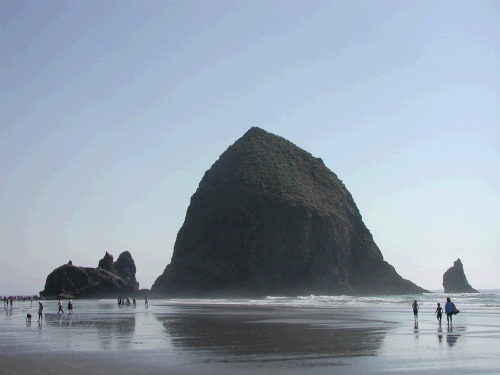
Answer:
[(309, 334), (486, 300)]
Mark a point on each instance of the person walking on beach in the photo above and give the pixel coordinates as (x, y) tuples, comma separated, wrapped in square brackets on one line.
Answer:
[(146, 301), (40, 311), (70, 306), (415, 309), (60, 307), (439, 313), (449, 309)]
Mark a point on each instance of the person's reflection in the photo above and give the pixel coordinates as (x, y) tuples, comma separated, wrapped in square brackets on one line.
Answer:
[(440, 334), (451, 338), (415, 329)]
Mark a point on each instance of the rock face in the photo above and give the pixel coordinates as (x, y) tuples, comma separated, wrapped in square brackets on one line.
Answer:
[(125, 268), (70, 281), (268, 218), (106, 263), (454, 280)]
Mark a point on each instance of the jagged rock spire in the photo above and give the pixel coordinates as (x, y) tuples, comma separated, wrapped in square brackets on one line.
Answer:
[(455, 281)]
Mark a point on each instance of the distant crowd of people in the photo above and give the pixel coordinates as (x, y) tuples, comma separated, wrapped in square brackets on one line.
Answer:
[(449, 309), (8, 300), (126, 301), (121, 302)]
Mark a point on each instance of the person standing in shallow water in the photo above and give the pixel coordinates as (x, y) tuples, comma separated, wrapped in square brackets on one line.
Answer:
[(439, 313), (40, 311), (60, 307), (449, 309), (415, 309)]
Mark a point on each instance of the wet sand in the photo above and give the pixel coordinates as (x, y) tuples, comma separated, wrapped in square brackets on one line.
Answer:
[(101, 338)]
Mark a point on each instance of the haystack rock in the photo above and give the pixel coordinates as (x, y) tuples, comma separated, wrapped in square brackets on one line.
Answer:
[(69, 281), (268, 218), (455, 281)]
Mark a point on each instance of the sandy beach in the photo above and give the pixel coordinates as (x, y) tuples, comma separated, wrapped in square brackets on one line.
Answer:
[(246, 337)]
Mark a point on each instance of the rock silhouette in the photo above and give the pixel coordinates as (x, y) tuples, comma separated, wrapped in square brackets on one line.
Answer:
[(455, 281), (268, 218), (69, 281), (106, 263), (125, 268)]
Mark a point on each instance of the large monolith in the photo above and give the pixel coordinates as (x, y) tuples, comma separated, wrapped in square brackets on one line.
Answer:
[(268, 218)]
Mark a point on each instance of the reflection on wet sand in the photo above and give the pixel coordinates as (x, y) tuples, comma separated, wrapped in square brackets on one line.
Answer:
[(247, 336), (112, 332), (453, 335)]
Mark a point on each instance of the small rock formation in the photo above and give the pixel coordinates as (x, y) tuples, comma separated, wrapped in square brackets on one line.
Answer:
[(125, 268), (68, 281), (106, 263), (454, 280), (268, 218)]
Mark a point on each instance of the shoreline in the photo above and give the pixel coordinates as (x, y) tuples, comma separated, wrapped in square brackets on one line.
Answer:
[(349, 336)]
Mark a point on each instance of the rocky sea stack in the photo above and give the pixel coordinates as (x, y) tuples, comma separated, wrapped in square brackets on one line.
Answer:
[(268, 218), (455, 281), (107, 263), (108, 279), (125, 268)]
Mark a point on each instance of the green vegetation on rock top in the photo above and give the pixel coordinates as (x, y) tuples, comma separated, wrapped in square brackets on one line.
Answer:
[(270, 165)]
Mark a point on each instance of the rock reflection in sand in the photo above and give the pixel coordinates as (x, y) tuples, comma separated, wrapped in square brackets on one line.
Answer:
[(111, 332), (268, 334)]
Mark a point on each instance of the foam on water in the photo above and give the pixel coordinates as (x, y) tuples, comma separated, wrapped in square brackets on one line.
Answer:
[(487, 299)]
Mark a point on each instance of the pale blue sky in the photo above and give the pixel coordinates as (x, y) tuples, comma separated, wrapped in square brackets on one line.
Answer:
[(111, 112)]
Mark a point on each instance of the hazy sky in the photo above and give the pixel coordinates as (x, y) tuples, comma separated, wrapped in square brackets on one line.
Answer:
[(112, 111)]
